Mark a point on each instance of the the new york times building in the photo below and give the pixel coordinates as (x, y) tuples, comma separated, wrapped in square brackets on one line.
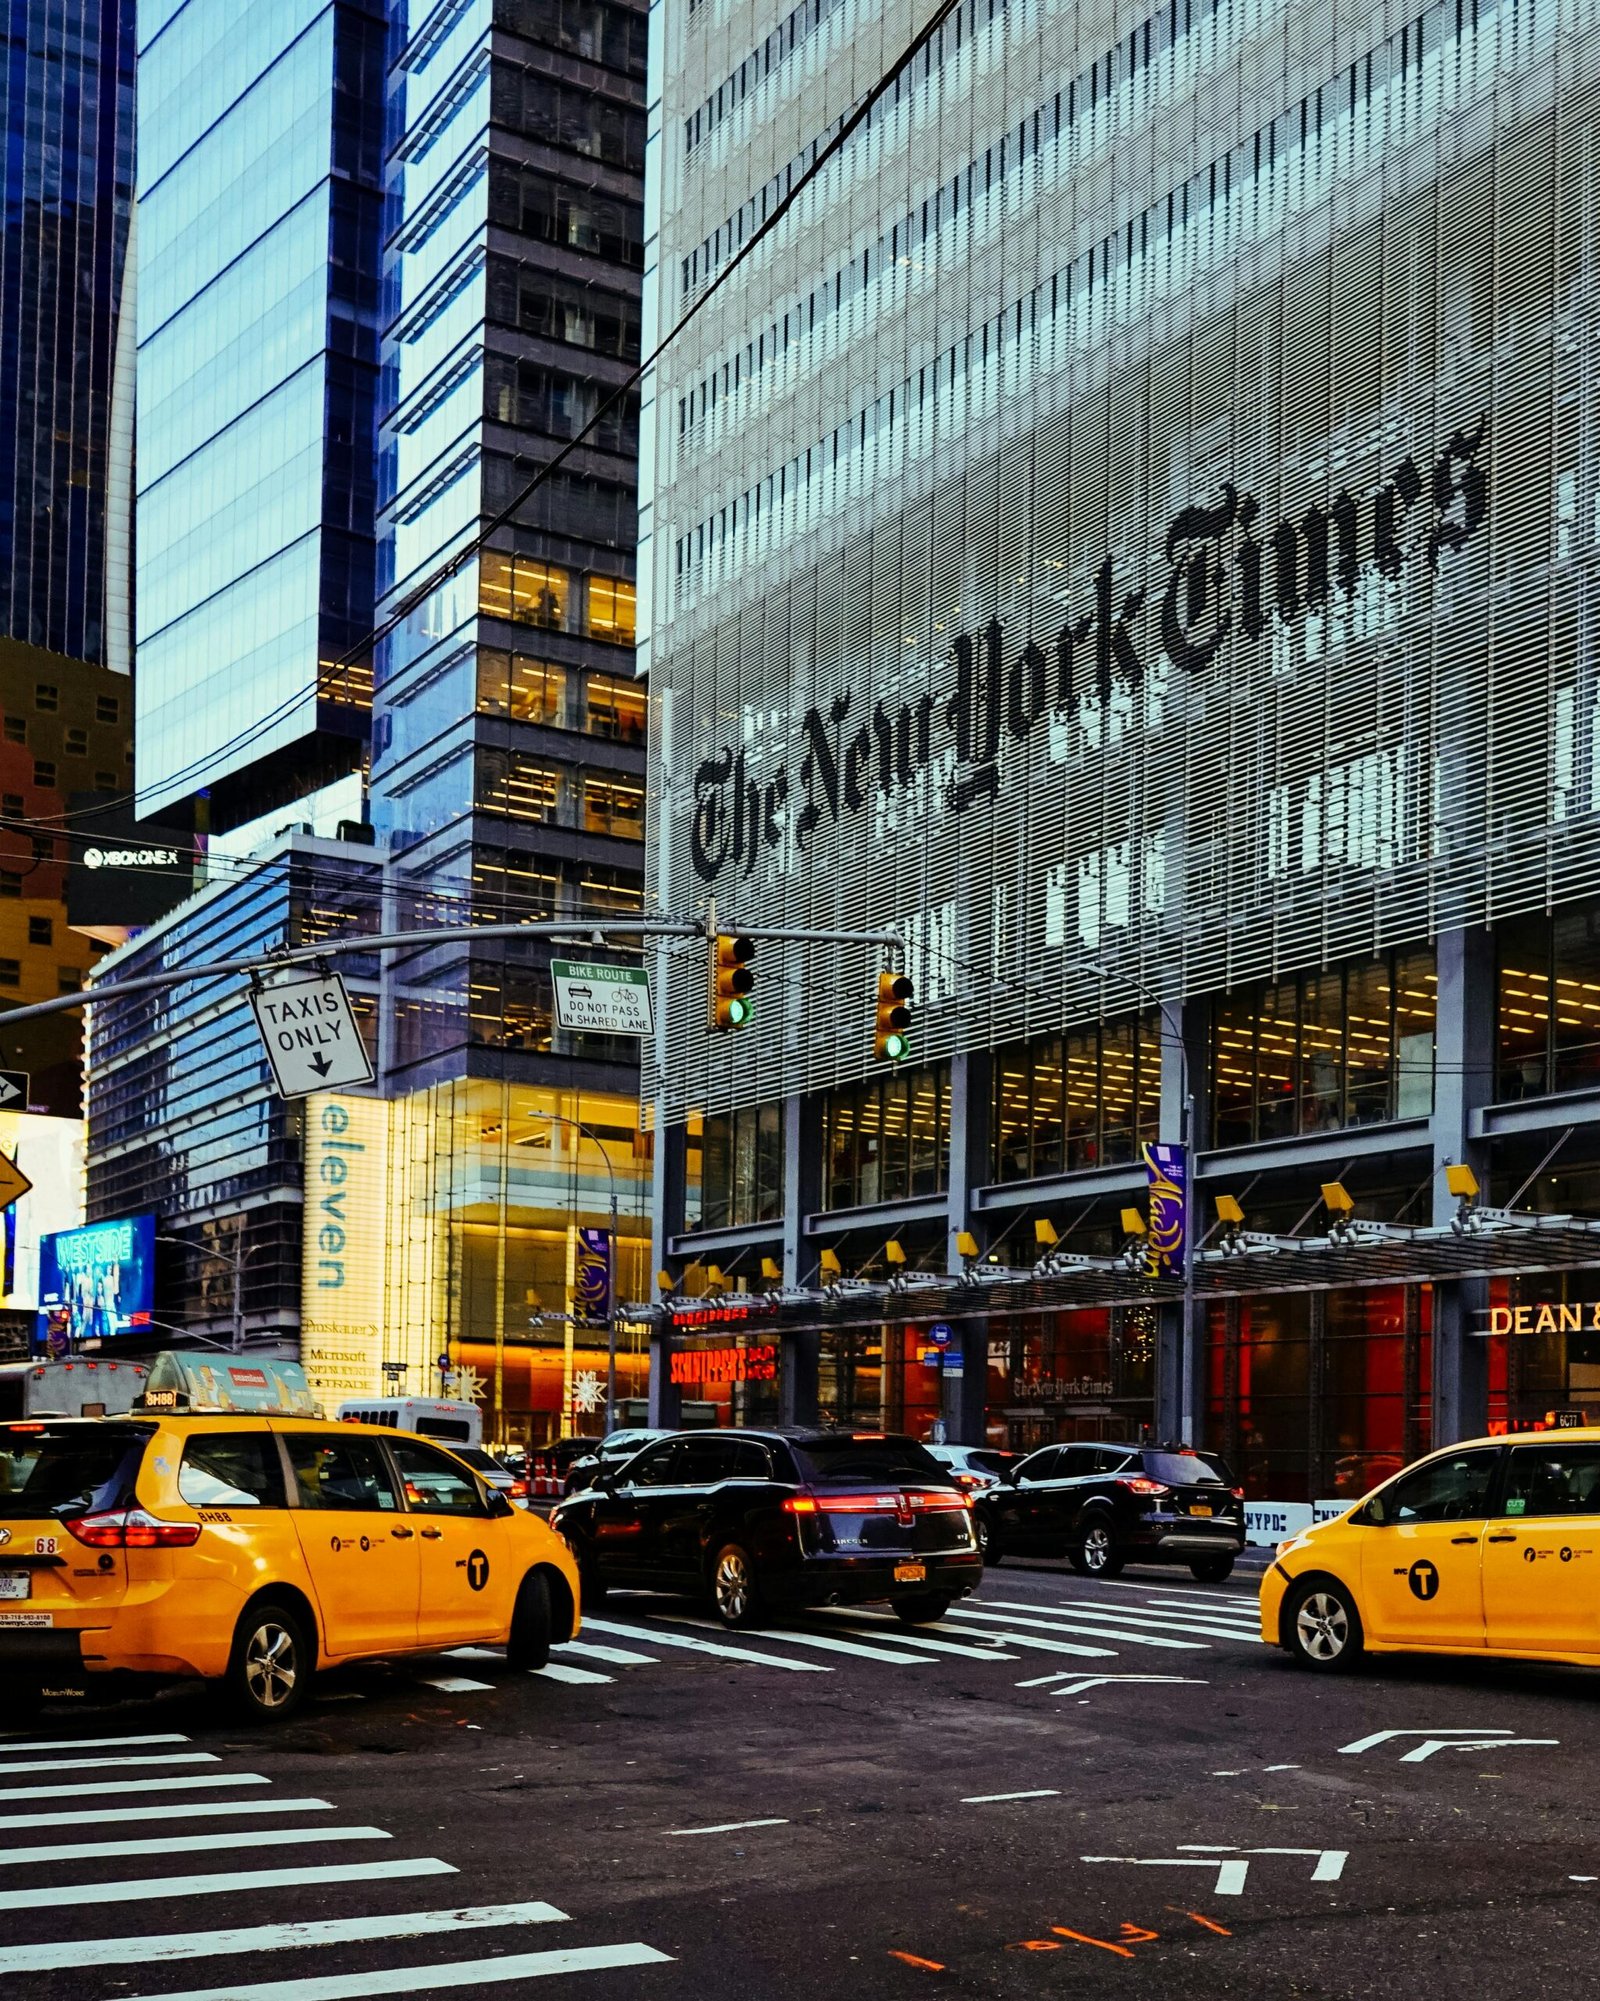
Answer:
[(1133, 530)]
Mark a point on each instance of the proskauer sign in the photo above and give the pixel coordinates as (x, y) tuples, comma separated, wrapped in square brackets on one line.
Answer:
[(1229, 576)]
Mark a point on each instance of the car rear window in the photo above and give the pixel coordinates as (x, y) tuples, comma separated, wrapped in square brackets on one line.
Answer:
[(63, 1470), (448, 1428), (991, 1462), (888, 1459), (476, 1457), (1186, 1469)]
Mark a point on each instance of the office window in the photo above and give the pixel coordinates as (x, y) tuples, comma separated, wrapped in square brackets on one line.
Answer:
[(16, 729), (742, 1175), (613, 806), (611, 610), (69, 980), (11, 805), (1548, 1003), (44, 772), (517, 587), (105, 781), (77, 743), (1346, 1047), (10, 882), (47, 696), (1070, 1102), (887, 1140), (41, 931), (616, 709), (44, 848), (107, 709), (10, 972), (526, 689), (608, 890), (518, 786)]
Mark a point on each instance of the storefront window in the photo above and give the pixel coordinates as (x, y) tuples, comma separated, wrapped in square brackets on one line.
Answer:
[(1348, 1047), (528, 690), (888, 1140), (1077, 1101), (1085, 1373), (1548, 990), (850, 1377), (611, 610), (523, 589), (741, 1167), (1544, 1351)]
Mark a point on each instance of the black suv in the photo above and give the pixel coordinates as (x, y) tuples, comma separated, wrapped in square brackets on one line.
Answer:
[(763, 1520), (1101, 1506)]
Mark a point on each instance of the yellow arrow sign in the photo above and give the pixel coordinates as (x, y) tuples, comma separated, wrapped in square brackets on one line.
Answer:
[(14, 1184)]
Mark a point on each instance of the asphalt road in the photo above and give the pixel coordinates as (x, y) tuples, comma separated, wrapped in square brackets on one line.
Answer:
[(820, 1811)]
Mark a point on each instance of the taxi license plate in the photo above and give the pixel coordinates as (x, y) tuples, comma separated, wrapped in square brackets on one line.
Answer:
[(910, 1573), (15, 1584), (1200, 1508)]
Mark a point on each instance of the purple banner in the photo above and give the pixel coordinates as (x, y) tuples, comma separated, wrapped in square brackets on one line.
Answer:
[(591, 1284), (1167, 1169)]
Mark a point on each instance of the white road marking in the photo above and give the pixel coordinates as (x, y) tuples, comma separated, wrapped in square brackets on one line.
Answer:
[(457, 1684), (1427, 1748), (1583, 1879), (1385, 1736), (166, 1946), (1108, 1680), (1280, 1768), (989, 1799), (726, 1827), (1330, 1861), (1034, 1644), (150, 1889), (1091, 1629), (1218, 1596), (205, 1839), (823, 1642), (1180, 1620), (577, 1677), (93, 1816), (617, 1656), (110, 1764), (93, 1743), (746, 1654), (430, 1979), (100, 1787), (903, 1638), (1230, 1875)]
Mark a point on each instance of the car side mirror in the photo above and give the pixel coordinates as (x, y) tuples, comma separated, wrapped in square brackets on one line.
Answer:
[(498, 1504), (1371, 1514)]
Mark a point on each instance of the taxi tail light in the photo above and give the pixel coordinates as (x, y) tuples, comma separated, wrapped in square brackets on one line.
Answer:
[(1238, 1493), (519, 1490), (1143, 1486), (133, 1528)]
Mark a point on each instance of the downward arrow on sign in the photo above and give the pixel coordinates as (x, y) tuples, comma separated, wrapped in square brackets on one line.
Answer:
[(320, 1064)]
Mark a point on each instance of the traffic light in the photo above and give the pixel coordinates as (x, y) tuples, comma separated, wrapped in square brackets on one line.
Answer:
[(732, 980), (890, 1038)]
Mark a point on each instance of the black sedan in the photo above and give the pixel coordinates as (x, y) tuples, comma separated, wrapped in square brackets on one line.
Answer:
[(772, 1520), (1101, 1506)]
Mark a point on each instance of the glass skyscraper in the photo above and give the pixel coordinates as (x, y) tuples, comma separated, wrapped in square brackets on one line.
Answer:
[(66, 186), (260, 155)]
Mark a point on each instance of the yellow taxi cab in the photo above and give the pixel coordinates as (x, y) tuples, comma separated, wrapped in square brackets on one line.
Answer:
[(1490, 1547), (252, 1550)]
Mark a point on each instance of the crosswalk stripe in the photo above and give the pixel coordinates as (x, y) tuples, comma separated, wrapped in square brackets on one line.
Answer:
[(110, 1764), (578, 1677), (92, 1743), (1100, 1630), (1032, 1641), (191, 1810), (99, 1787), (166, 1946), (203, 1838), (430, 1979), (747, 1654), (919, 1638), (617, 1656), (1216, 1595), (457, 1684), (150, 1889), (1139, 1622), (823, 1642)]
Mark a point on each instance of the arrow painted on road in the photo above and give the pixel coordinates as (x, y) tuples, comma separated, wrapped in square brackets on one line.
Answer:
[(1480, 1739), (1083, 1682), (1429, 1745)]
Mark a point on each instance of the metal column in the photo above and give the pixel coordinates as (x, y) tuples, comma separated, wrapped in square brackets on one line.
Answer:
[(1463, 1081), (966, 1393), (666, 1220), (801, 1349)]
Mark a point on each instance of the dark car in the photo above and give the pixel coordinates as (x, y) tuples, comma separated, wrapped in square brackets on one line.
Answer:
[(598, 1455), (1101, 1506), (773, 1520)]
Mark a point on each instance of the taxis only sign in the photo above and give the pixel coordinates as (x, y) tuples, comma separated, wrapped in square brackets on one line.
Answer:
[(310, 1034)]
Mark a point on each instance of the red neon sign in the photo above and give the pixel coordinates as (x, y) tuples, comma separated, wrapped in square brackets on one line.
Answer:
[(726, 1365)]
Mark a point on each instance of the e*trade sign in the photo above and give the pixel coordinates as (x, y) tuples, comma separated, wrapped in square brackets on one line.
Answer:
[(726, 1365)]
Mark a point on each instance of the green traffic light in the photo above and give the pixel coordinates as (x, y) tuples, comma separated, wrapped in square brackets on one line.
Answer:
[(738, 1012), (896, 1046)]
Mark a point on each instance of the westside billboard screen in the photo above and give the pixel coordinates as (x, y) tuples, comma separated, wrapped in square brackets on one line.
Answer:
[(96, 1284)]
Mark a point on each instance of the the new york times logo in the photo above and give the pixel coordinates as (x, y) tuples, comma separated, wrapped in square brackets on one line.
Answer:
[(1228, 576)]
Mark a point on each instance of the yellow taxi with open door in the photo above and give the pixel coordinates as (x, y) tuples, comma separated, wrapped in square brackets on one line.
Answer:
[(252, 1550), (1490, 1547)]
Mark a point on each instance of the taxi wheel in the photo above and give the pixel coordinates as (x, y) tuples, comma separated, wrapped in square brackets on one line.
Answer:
[(1101, 1557), (529, 1644), (271, 1663), (1211, 1569), (733, 1587), (923, 1609), (1321, 1626)]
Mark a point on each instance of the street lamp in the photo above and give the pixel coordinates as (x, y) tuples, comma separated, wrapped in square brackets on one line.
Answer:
[(1174, 1022), (210, 1250), (578, 1126)]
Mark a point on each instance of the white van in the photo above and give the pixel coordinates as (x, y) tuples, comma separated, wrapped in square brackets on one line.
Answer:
[(84, 1387), (429, 1417)]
